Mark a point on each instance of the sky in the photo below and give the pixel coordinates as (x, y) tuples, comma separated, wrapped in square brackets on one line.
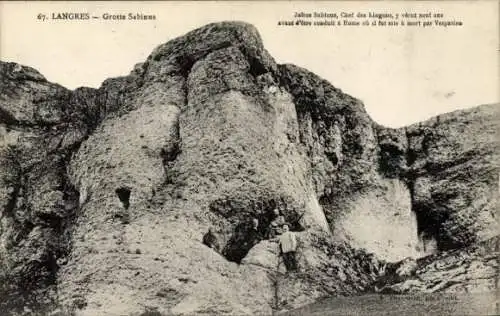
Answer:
[(402, 74)]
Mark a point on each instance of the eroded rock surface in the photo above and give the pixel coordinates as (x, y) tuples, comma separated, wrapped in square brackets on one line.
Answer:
[(470, 270), (107, 193)]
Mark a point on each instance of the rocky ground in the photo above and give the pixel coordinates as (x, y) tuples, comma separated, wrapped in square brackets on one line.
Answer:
[(107, 193), (455, 282), (416, 304), (470, 270)]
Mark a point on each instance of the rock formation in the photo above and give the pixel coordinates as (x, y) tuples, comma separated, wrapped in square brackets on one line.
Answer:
[(470, 270), (108, 193)]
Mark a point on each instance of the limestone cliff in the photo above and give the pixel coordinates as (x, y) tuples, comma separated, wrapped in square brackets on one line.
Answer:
[(107, 193)]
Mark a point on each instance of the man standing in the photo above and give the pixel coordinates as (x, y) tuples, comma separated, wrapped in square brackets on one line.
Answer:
[(288, 245)]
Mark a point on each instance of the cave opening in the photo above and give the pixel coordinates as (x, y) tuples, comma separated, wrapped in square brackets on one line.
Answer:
[(256, 67), (332, 156), (123, 194), (433, 237), (428, 233), (427, 224), (411, 157), (242, 240), (391, 160), (253, 224)]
